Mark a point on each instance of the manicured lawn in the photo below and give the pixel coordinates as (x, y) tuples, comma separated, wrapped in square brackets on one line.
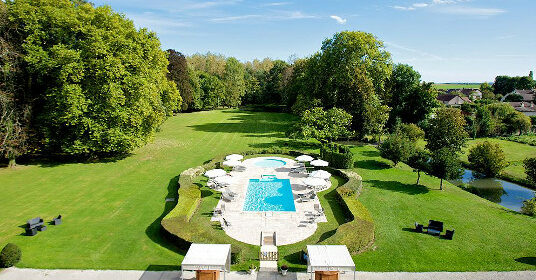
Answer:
[(515, 154), (113, 209), (488, 236)]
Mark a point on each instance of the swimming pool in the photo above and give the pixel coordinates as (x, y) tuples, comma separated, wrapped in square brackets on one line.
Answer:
[(270, 162), (269, 194)]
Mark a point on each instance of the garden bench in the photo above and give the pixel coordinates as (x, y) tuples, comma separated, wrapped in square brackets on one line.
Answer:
[(434, 227), (35, 223)]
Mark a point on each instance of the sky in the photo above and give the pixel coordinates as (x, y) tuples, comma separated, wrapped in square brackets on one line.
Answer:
[(445, 40)]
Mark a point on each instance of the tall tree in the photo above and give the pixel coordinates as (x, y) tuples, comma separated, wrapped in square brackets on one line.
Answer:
[(445, 165), (213, 91), (99, 84), (446, 130), (179, 73), (273, 88), (233, 79), (322, 125), (487, 158), (411, 101)]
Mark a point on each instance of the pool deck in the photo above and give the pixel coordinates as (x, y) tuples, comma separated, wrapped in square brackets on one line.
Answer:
[(290, 227)]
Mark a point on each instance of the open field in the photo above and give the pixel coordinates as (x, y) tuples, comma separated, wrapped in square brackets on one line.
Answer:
[(113, 209), (456, 86)]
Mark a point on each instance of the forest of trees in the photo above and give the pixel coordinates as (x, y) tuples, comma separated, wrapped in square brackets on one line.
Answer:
[(83, 81)]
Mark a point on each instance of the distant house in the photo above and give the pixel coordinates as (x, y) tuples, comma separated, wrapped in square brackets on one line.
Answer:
[(453, 100), (527, 108), (472, 93), (527, 94)]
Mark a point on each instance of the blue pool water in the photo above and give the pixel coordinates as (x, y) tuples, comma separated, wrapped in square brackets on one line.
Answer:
[(269, 194), (270, 162)]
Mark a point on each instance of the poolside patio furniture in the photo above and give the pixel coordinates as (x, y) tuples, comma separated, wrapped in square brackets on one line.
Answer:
[(319, 163), (213, 173), (31, 231), (314, 182), (322, 174), (207, 260), (235, 157), (57, 221), (230, 193), (219, 210), (35, 223), (232, 163), (418, 227), (327, 262), (225, 223), (449, 234), (319, 211), (227, 197), (304, 158), (434, 227)]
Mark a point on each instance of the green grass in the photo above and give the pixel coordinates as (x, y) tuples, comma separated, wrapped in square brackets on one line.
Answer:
[(456, 86), (112, 210), (515, 154), (488, 236)]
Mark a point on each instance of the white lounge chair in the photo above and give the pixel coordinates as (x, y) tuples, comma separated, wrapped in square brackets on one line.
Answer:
[(226, 196), (319, 211), (219, 210)]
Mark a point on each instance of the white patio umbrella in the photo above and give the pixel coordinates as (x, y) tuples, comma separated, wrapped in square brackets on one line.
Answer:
[(234, 157), (232, 163), (304, 158), (215, 173), (319, 163), (313, 182), (322, 174), (225, 180)]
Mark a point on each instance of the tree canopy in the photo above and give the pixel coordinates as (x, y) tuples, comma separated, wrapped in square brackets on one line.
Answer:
[(96, 85), (325, 126)]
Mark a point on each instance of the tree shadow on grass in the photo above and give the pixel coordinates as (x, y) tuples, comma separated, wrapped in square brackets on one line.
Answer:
[(396, 186), (527, 260), (371, 164), (336, 207), (327, 235), (153, 231), (294, 258), (160, 267), (61, 159), (288, 144)]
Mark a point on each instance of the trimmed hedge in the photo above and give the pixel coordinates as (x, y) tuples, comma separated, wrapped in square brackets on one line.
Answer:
[(358, 234), (338, 156), (10, 255)]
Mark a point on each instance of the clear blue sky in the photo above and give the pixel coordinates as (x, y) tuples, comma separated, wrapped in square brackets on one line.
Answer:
[(445, 40)]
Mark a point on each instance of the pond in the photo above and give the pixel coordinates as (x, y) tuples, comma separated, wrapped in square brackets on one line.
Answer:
[(507, 194)]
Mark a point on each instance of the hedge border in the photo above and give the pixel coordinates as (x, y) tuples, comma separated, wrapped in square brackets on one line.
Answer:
[(186, 184)]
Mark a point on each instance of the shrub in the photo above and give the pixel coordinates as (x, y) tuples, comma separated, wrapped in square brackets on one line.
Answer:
[(487, 158), (530, 169), (396, 148), (338, 156), (411, 131), (10, 255), (529, 207)]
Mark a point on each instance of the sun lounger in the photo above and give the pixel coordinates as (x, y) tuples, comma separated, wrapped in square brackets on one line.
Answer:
[(219, 210), (318, 210), (226, 196), (225, 223)]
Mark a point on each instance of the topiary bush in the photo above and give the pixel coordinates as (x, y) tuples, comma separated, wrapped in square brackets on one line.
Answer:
[(338, 156), (10, 255)]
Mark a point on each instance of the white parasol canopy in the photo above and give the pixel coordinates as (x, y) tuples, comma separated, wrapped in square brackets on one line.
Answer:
[(304, 158), (322, 174), (225, 180), (319, 163), (314, 182), (232, 163), (234, 157), (215, 173)]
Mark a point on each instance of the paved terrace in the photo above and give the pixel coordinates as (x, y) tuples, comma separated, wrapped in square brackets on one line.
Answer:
[(60, 274), (290, 227)]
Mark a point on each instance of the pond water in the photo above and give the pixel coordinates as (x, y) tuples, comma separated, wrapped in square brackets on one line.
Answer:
[(507, 194)]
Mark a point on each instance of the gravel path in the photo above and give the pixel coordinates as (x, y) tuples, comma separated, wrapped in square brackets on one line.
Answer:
[(67, 274)]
